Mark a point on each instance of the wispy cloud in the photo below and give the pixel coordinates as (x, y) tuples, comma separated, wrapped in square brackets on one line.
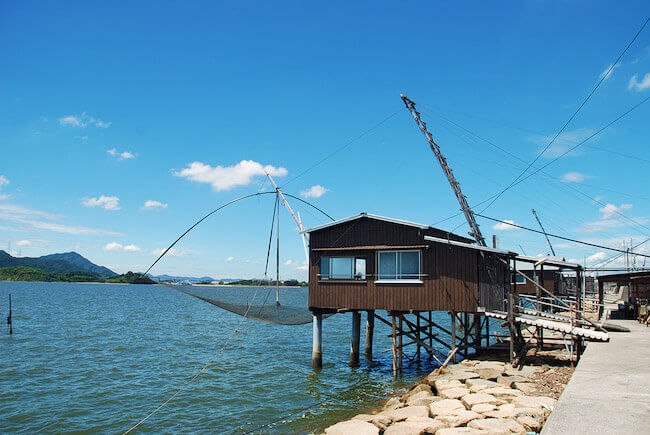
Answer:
[(150, 204), (607, 74), (124, 155), (114, 246), (228, 177), (314, 192), (636, 85), (82, 121), (3, 181), (506, 225), (172, 252), (105, 202), (39, 220), (5, 196), (574, 177), (563, 143), (230, 259)]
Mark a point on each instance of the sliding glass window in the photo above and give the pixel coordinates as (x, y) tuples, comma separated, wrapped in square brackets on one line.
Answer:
[(398, 265)]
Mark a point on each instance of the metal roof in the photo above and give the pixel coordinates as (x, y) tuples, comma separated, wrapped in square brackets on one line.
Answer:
[(367, 215), (548, 261), (468, 245)]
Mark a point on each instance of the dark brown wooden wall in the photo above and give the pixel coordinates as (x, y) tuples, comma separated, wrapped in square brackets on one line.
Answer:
[(451, 281)]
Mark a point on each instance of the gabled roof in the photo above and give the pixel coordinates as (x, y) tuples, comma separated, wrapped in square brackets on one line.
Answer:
[(371, 216)]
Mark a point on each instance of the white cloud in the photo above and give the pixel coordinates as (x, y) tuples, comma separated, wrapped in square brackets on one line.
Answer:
[(3, 181), (150, 204), (23, 243), (82, 121), (114, 246), (229, 259), (639, 86), (70, 229), (574, 177), (125, 155), (598, 256), (106, 202), (172, 252), (314, 192), (607, 74), (5, 196), (505, 225), (610, 210), (228, 177)]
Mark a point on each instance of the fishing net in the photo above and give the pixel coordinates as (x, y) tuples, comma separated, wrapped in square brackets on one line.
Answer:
[(256, 303)]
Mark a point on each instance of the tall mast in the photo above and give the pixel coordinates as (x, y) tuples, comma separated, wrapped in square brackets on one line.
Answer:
[(277, 253), (293, 215), (462, 200), (544, 231)]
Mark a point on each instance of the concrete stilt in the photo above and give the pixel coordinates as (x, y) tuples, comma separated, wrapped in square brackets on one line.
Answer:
[(453, 332), (317, 350), (355, 339), (370, 328)]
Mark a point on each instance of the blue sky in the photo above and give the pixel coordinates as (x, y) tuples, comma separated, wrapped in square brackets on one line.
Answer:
[(105, 106)]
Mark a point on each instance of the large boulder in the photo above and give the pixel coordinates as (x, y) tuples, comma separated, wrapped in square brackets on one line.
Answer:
[(454, 393), (446, 406), (508, 381), (443, 384), (400, 414), (460, 431), (356, 427), (477, 384), (530, 423), (497, 426), (503, 393), (469, 400), (423, 398), (380, 420), (458, 418), (482, 408), (393, 403), (489, 369), (528, 388), (415, 426), (534, 402)]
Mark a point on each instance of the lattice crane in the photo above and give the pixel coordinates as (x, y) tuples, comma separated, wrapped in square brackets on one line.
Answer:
[(544, 231), (462, 200)]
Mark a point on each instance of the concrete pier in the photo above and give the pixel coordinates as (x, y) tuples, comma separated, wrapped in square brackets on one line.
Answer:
[(370, 328), (609, 392)]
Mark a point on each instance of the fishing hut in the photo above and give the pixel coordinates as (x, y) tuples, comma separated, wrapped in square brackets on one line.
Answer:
[(368, 263)]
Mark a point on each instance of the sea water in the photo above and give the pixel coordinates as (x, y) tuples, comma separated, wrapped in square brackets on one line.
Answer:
[(101, 357)]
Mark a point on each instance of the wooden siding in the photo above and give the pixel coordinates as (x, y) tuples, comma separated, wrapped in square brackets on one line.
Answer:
[(450, 281)]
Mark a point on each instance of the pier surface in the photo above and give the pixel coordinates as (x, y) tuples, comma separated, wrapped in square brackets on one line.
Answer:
[(609, 392)]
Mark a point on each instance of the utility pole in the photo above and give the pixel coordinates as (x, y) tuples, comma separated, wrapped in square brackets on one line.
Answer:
[(475, 231), (544, 231)]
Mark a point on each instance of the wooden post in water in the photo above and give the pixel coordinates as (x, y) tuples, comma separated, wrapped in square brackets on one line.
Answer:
[(9, 319), (317, 350), (401, 349), (370, 328), (417, 334), (394, 346), (355, 339), (453, 331)]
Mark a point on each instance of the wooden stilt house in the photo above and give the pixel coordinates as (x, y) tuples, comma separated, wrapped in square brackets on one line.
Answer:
[(371, 263)]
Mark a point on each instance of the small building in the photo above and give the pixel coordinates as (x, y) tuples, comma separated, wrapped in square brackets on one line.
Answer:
[(637, 283), (367, 262)]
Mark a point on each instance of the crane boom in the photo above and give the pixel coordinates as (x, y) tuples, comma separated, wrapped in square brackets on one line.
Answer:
[(462, 200), (544, 231)]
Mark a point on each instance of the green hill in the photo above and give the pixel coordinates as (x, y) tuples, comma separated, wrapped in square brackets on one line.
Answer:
[(21, 273), (57, 263)]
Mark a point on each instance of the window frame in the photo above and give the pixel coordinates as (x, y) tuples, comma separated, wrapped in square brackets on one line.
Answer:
[(397, 279), (352, 277)]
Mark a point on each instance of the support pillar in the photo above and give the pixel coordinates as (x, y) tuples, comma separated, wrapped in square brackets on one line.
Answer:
[(601, 299), (394, 345), (370, 328), (453, 333), (417, 334), (355, 339), (317, 350)]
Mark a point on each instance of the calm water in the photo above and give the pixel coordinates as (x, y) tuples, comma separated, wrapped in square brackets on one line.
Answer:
[(99, 357)]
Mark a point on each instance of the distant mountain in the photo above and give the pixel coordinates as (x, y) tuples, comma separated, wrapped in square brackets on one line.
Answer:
[(193, 279), (56, 263)]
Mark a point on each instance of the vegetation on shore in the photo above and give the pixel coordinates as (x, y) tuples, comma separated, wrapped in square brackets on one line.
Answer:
[(22, 273), (261, 282)]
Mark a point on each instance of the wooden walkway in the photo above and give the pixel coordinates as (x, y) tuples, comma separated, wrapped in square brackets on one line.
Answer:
[(609, 392)]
